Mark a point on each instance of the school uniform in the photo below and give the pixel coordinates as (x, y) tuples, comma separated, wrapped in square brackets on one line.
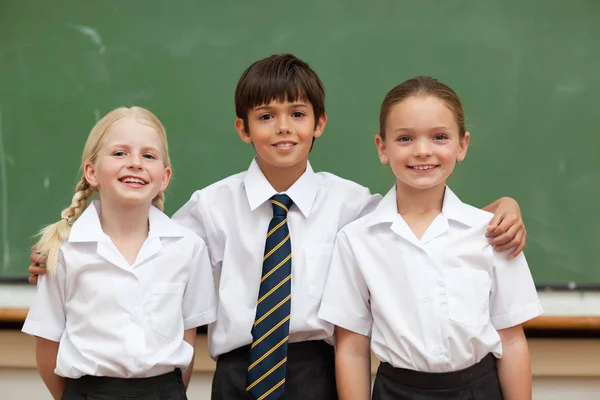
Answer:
[(115, 320), (432, 307), (233, 217)]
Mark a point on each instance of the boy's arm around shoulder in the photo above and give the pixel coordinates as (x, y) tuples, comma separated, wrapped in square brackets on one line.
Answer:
[(506, 229)]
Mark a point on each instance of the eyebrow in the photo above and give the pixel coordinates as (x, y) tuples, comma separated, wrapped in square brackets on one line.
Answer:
[(123, 145), (294, 105), (400, 130)]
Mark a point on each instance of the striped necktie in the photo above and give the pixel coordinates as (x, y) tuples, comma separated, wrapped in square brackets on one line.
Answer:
[(270, 333)]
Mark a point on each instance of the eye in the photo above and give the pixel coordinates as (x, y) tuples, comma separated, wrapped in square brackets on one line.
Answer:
[(149, 156), (265, 117), (297, 114), (440, 136), (119, 153), (403, 139)]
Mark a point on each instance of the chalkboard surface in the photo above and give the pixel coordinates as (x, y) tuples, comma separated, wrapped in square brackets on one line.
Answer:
[(527, 72)]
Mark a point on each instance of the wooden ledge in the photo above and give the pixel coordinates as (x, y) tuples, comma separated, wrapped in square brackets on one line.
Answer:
[(544, 322)]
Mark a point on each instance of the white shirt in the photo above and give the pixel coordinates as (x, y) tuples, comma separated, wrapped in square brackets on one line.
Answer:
[(232, 216), (116, 319), (430, 305)]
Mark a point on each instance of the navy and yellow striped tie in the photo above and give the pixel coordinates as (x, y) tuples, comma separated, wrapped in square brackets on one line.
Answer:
[(270, 333)]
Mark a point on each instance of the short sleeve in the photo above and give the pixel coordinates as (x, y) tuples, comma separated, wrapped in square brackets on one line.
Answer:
[(345, 300), (47, 317), (199, 300), (193, 216), (514, 298)]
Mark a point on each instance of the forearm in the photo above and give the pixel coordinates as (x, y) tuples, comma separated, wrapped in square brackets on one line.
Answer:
[(190, 337), (353, 376), (46, 352), (514, 370)]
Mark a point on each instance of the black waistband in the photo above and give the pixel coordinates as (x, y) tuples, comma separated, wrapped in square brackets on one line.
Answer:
[(296, 351), (133, 386), (443, 380)]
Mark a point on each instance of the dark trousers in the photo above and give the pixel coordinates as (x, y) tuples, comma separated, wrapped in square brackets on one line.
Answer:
[(310, 373), (478, 382), (163, 387)]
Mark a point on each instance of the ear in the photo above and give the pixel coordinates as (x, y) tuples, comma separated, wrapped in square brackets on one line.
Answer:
[(90, 174), (462, 147), (320, 126), (166, 179), (241, 130), (380, 143)]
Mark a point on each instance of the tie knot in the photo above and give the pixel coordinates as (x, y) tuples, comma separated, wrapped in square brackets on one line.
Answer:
[(281, 204)]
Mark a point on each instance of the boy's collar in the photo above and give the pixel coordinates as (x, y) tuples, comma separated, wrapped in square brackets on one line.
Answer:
[(303, 192)]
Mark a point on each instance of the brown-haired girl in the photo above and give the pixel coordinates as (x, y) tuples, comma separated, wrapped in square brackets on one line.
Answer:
[(417, 279)]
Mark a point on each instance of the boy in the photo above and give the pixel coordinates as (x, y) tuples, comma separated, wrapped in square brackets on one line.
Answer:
[(267, 339)]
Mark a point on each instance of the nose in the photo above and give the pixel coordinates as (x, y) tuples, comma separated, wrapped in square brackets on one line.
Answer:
[(422, 148), (135, 162), (283, 125)]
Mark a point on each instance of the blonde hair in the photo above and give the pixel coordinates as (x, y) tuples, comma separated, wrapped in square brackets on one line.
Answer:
[(52, 236)]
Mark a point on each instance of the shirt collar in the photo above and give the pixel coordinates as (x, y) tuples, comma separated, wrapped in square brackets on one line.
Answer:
[(303, 192), (87, 227), (452, 209)]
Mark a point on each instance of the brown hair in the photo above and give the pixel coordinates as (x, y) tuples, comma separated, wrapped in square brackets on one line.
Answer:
[(422, 86), (53, 235), (279, 77)]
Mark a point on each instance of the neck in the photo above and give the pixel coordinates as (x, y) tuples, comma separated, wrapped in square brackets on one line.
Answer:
[(282, 178), (124, 221), (414, 201)]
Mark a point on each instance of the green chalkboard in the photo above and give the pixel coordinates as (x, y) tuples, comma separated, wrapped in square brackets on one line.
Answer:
[(527, 71)]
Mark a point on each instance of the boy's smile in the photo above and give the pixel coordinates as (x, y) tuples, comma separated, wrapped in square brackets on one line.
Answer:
[(282, 134)]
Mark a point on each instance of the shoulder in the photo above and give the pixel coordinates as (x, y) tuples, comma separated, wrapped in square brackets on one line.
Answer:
[(357, 228), (231, 184), (336, 183), (476, 216)]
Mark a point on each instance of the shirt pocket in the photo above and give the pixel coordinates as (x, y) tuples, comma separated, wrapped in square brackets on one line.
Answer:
[(468, 294), (318, 260), (165, 308)]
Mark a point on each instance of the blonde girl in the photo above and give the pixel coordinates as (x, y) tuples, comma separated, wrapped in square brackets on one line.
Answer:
[(116, 314)]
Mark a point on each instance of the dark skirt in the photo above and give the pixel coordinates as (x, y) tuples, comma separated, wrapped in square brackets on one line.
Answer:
[(310, 373), (478, 382), (162, 387)]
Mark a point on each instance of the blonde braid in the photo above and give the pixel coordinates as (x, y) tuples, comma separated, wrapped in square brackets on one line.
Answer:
[(52, 236), (83, 192)]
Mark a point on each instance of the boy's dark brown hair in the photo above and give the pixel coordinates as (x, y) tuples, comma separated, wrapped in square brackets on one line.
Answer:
[(423, 86), (279, 77)]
